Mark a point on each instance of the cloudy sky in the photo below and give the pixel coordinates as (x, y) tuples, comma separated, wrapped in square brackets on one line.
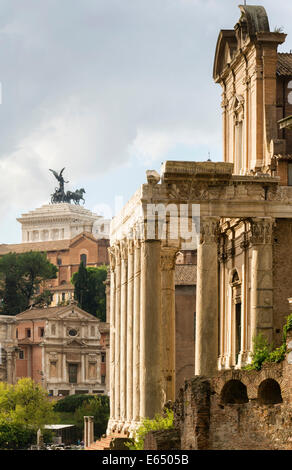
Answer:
[(107, 89)]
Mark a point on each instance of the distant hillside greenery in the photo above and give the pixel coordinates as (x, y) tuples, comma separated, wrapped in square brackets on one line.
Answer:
[(21, 276), (89, 289)]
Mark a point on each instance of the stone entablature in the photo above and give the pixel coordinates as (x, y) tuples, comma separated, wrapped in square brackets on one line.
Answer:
[(57, 222)]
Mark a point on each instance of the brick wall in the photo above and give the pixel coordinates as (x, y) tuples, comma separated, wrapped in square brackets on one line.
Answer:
[(211, 414)]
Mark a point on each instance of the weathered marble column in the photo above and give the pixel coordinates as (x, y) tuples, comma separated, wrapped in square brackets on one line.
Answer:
[(207, 300), (117, 330), (112, 333), (88, 430), (136, 332), (168, 256), (123, 329), (262, 279), (9, 366), (150, 367), (130, 300)]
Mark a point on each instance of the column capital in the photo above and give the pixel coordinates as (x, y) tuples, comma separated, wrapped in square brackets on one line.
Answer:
[(167, 258), (117, 253), (130, 247), (124, 250), (261, 230), (209, 229), (112, 258)]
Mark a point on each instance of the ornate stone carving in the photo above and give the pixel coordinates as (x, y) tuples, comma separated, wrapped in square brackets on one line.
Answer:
[(168, 257), (117, 252), (130, 247), (112, 258), (124, 250), (209, 229), (261, 230)]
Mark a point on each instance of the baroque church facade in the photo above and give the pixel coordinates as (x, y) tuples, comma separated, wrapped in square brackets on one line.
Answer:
[(244, 261)]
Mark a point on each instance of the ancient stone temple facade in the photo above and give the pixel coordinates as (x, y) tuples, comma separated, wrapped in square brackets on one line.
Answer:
[(244, 262)]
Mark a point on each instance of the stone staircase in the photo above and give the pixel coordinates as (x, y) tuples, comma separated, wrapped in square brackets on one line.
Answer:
[(104, 442)]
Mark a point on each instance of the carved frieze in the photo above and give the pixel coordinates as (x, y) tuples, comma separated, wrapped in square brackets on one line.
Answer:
[(261, 231)]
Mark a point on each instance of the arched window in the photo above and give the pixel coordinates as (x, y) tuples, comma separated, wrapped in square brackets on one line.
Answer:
[(269, 392), (83, 259), (234, 392)]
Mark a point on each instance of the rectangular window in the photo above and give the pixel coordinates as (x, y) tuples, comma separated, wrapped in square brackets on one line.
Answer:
[(73, 373), (16, 333), (103, 357), (27, 333), (21, 355), (41, 332), (103, 379)]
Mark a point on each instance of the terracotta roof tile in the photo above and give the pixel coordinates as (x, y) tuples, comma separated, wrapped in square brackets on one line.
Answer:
[(40, 313), (56, 245), (284, 66)]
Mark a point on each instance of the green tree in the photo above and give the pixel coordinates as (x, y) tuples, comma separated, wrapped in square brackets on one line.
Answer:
[(98, 407), (21, 276), (24, 408), (89, 290)]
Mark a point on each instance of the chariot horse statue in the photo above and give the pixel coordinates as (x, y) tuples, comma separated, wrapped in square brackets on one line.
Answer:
[(60, 196)]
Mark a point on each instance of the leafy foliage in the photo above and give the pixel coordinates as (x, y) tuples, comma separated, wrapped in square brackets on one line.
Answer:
[(263, 351), (160, 422), (20, 278), (24, 408), (89, 290), (98, 407), (71, 403)]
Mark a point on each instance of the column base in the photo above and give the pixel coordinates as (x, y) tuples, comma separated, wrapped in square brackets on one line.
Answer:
[(242, 359), (111, 426), (133, 428), (228, 363)]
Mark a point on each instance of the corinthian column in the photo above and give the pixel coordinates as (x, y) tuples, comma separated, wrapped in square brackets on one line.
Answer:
[(117, 330), (112, 332), (261, 278), (136, 332), (168, 322), (207, 300), (129, 377), (150, 370), (123, 340)]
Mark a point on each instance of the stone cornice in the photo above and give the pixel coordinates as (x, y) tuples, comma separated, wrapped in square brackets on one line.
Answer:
[(218, 193)]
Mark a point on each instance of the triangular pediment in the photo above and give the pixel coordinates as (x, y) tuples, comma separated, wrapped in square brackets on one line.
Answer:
[(74, 313), (81, 238)]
